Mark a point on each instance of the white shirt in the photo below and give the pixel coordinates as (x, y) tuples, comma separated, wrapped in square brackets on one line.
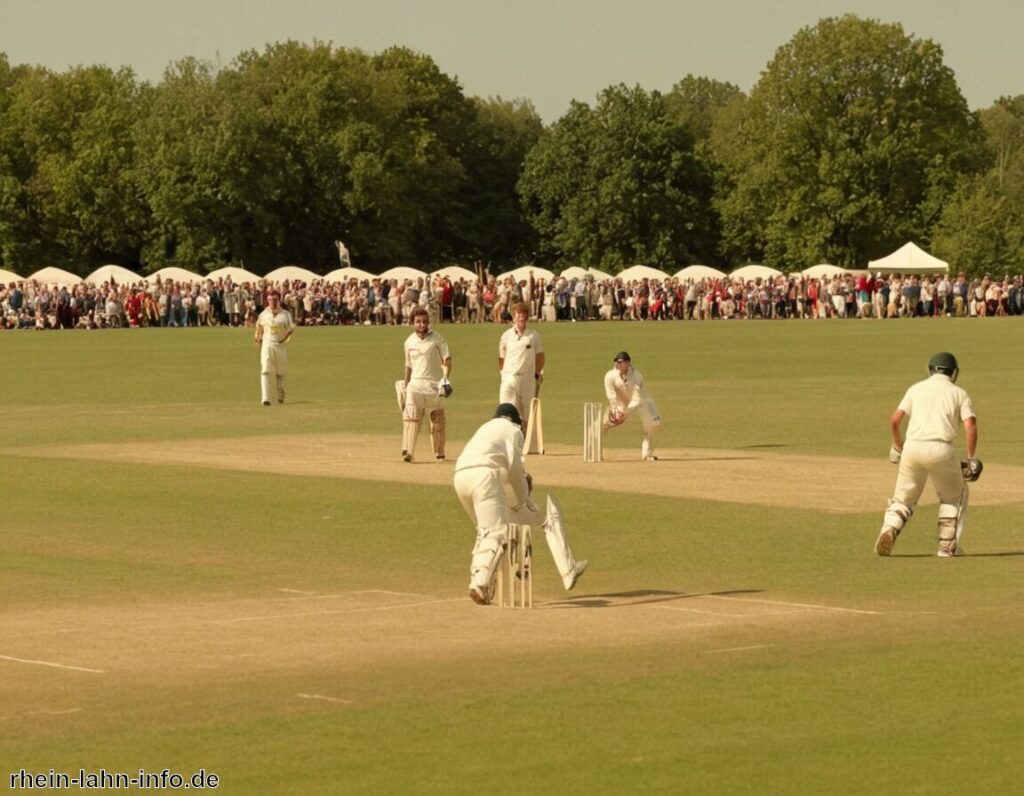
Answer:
[(936, 408), (425, 356), (498, 444), (625, 393), (519, 352), (275, 325)]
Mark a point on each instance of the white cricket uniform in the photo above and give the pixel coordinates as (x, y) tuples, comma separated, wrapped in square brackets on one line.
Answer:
[(490, 466), (936, 409), (519, 369), (424, 358), (275, 328), (628, 394)]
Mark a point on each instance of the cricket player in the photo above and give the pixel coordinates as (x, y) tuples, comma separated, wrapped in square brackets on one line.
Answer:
[(520, 361), (492, 462), (428, 363), (624, 387), (274, 327), (936, 408)]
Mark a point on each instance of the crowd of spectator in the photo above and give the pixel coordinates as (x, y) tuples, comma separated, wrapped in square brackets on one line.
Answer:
[(30, 305)]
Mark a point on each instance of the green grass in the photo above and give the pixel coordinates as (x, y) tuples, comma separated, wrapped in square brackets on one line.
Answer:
[(915, 698)]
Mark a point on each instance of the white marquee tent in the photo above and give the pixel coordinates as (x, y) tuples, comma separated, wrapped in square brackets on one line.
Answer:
[(751, 272), (55, 276), (404, 272), (577, 272), (6, 277), (291, 273), (699, 272), (175, 274), (106, 273), (637, 272), (909, 259), (455, 272), (522, 273), (347, 273), (238, 275), (824, 270)]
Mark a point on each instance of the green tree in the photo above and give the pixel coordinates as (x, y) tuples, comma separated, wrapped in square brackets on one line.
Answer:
[(697, 101), (619, 184), (850, 144)]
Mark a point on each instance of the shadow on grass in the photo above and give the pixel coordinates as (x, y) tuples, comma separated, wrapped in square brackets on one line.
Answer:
[(626, 599), (768, 445)]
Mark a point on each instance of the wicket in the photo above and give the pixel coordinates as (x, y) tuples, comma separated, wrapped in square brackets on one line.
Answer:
[(592, 422), (516, 568)]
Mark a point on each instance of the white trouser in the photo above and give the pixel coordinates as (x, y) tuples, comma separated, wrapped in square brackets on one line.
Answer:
[(921, 460), (518, 390), (650, 420), (273, 369)]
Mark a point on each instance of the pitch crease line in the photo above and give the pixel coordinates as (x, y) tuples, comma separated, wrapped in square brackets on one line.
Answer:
[(324, 698), (796, 605), (328, 613), (50, 663), (741, 649)]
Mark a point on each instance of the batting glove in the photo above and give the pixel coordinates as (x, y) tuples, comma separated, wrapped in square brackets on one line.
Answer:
[(894, 454), (444, 388)]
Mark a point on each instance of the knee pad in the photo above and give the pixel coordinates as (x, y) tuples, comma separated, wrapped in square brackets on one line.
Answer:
[(437, 420), (437, 424), (490, 544), (897, 514), (949, 513), (413, 409)]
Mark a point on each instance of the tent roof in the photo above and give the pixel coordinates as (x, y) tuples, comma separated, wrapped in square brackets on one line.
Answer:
[(404, 272), (699, 272), (824, 269), (909, 259), (347, 273), (455, 272), (6, 277), (748, 272), (291, 273), (107, 272), (51, 275), (238, 275), (175, 274), (641, 272), (522, 273)]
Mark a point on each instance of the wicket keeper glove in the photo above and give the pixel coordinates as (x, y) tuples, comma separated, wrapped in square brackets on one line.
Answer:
[(444, 388)]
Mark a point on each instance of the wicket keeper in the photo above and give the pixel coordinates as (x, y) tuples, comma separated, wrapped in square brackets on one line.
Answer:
[(626, 392)]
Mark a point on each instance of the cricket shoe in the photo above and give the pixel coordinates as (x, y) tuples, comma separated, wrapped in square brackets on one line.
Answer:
[(406, 456), (479, 595), (578, 570), (266, 403), (947, 553), (886, 539)]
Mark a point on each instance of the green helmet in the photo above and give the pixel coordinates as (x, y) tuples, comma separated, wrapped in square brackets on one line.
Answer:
[(510, 413), (945, 363)]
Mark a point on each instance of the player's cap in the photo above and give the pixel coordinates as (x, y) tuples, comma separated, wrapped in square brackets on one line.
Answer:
[(509, 412), (623, 356)]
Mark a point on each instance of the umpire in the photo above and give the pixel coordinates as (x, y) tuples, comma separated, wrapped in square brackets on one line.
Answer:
[(936, 408)]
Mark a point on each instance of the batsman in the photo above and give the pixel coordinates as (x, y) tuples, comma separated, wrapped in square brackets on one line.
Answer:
[(428, 363), (936, 408), (489, 465)]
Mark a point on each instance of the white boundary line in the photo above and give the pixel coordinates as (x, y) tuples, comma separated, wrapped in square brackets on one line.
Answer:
[(50, 663), (740, 649)]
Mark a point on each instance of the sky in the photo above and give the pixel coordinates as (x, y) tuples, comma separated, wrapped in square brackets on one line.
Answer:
[(548, 51)]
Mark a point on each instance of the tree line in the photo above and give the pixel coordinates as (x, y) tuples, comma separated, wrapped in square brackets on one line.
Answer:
[(855, 139)]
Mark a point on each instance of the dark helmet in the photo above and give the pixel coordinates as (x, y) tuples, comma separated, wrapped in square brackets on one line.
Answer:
[(945, 363), (509, 412), (622, 356)]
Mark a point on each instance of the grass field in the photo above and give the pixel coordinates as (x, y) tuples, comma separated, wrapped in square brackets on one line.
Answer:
[(192, 581)]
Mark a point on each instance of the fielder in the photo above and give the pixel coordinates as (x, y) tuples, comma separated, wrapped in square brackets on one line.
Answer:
[(520, 361), (626, 393), (273, 328), (491, 462), (428, 363), (936, 408)]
